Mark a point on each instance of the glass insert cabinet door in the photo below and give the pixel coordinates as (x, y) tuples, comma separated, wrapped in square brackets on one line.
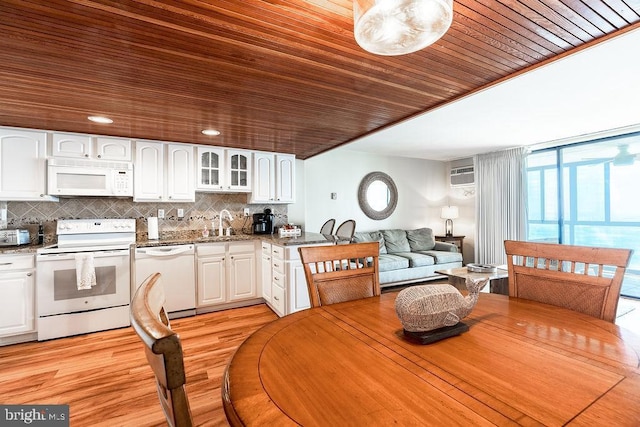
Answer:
[(239, 170), (210, 168), (221, 169)]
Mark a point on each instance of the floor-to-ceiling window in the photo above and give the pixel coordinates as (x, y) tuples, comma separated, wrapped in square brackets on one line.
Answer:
[(588, 194)]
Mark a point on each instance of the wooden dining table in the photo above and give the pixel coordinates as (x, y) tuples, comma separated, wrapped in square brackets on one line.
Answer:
[(520, 363)]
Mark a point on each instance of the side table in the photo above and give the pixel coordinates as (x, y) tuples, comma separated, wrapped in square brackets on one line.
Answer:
[(456, 240)]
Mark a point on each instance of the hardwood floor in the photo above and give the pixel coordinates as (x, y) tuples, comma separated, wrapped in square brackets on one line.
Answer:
[(105, 379)]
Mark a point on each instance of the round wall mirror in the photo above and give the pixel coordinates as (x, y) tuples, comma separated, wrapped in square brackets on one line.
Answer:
[(377, 195)]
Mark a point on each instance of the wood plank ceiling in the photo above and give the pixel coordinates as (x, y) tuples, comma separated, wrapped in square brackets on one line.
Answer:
[(284, 76)]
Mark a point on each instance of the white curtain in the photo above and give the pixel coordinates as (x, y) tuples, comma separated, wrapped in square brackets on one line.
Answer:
[(500, 203)]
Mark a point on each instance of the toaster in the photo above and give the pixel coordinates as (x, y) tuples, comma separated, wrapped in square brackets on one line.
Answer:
[(14, 237)]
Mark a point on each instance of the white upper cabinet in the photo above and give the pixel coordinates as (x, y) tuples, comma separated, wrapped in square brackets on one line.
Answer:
[(113, 148), (23, 170), (264, 177), (210, 169), (79, 146), (274, 178), (71, 145), (285, 178), (238, 174), (148, 172), (180, 186), (223, 170), (151, 184)]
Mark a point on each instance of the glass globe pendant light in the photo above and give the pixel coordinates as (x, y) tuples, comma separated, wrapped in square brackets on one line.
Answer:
[(398, 27)]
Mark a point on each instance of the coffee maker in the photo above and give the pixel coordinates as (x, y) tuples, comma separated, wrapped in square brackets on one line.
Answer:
[(263, 222)]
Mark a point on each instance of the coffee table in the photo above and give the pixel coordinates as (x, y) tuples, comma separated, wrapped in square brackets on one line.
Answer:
[(498, 280)]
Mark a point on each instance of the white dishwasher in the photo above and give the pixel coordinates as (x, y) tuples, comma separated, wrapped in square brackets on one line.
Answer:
[(176, 264)]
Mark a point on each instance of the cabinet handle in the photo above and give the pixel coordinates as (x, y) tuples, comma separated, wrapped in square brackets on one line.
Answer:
[(276, 298), (276, 265), (86, 155), (277, 279), (42, 195), (99, 156), (29, 274)]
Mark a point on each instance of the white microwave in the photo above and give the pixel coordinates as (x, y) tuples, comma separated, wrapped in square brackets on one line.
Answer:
[(69, 177)]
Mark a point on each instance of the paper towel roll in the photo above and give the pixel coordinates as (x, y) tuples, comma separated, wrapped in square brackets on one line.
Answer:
[(152, 227)]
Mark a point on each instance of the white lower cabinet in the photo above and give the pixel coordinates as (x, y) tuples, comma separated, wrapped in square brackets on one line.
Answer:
[(226, 273), (287, 292), (297, 286), (17, 287)]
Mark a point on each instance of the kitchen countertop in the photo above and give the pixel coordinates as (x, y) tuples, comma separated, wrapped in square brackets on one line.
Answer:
[(304, 239), (22, 249)]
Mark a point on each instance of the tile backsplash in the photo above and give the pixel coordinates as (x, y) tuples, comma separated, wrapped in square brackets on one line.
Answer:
[(197, 215)]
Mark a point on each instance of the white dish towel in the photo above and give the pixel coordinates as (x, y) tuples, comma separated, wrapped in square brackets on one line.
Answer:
[(85, 270)]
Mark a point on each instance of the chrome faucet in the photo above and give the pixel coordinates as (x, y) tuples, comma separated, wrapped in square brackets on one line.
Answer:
[(222, 212)]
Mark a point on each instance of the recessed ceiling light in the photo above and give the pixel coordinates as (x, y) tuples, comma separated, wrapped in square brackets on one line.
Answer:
[(100, 119), (211, 132)]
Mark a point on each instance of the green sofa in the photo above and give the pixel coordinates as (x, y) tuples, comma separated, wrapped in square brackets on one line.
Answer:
[(408, 256)]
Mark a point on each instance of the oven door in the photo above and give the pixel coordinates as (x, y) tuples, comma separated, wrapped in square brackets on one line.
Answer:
[(57, 287)]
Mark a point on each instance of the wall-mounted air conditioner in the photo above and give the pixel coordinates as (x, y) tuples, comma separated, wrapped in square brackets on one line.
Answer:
[(462, 176)]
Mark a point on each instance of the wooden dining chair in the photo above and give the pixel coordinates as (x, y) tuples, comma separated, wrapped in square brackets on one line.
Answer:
[(327, 227), (346, 230), (163, 349), (580, 278), (340, 273)]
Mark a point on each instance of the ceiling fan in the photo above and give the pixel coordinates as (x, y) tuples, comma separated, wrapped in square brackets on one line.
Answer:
[(622, 158)]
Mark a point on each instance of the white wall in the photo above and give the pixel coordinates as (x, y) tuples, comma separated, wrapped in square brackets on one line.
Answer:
[(296, 211), (422, 190)]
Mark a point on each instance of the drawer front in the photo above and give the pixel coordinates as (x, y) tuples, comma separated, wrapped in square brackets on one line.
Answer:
[(279, 279), (266, 248), (278, 300), (277, 252), (16, 262), (241, 247), (211, 249), (278, 265)]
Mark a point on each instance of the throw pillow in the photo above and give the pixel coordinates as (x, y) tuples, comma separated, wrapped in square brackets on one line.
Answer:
[(365, 236), (396, 241), (421, 239)]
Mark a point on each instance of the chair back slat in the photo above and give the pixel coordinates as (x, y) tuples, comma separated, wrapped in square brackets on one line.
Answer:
[(580, 278), (340, 273)]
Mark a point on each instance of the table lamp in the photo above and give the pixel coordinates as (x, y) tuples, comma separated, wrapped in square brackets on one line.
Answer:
[(449, 213)]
